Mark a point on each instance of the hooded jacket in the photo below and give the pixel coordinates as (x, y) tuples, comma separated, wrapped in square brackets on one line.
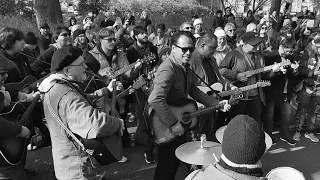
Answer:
[(217, 172), (77, 113)]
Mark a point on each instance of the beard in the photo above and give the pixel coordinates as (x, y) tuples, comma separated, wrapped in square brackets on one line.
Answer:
[(142, 41)]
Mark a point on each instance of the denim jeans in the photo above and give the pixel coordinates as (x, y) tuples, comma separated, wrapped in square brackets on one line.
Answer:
[(307, 104), (268, 116)]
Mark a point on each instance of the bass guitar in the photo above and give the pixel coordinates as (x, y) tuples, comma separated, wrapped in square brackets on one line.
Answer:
[(186, 114), (13, 149)]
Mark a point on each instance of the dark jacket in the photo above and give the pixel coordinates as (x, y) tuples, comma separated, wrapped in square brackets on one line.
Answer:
[(308, 64), (170, 88), (235, 63), (31, 55), (134, 53), (42, 65), (217, 22), (21, 70), (107, 23), (144, 22), (44, 43), (278, 79)]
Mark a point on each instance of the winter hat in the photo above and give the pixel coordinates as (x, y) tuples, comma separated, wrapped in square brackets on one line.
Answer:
[(30, 38), (164, 50), (220, 33), (44, 25), (64, 57), (91, 62), (197, 21), (243, 142), (78, 32)]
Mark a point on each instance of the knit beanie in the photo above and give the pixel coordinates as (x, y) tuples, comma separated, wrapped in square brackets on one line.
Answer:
[(220, 33), (30, 38), (78, 32), (164, 50), (243, 141), (64, 57)]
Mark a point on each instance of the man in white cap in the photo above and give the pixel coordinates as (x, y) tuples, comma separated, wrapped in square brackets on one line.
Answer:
[(223, 48), (197, 24)]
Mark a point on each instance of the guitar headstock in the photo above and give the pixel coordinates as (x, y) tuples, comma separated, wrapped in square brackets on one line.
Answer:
[(285, 62), (149, 59), (139, 82), (235, 98), (263, 83)]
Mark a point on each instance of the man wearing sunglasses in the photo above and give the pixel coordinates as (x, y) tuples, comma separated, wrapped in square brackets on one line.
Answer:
[(245, 58), (173, 84), (186, 26), (281, 90)]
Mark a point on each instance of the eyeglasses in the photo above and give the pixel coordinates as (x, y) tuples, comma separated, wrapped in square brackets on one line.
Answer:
[(188, 27), (185, 49), (110, 39), (3, 73), (65, 34)]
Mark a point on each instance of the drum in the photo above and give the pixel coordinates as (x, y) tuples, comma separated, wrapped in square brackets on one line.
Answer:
[(285, 173)]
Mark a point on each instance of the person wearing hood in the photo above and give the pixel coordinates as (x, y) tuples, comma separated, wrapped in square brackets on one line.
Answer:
[(80, 40), (244, 143), (42, 65), (223, 48), (63, 98)]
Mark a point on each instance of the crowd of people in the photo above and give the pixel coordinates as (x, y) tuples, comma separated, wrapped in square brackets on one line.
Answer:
[(83, 70)]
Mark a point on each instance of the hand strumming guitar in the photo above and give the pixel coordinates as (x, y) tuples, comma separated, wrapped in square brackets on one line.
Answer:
[(23, 97), (226, 107), (242, 77), (25, 132), (177, 129), (119, 85)]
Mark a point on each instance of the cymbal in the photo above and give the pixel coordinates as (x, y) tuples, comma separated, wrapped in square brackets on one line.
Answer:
[(220, 131), (193, 153)]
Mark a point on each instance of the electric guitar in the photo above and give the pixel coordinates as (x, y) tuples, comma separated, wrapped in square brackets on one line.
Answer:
[(186, 114), (111, 74), (266, 68), (219, 87), (12, 149)]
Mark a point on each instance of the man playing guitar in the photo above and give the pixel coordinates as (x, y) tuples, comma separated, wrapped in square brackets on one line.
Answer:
[(172, 84)]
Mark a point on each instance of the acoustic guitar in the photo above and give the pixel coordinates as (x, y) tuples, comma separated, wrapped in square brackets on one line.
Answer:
[(12, 149), (186, 114)]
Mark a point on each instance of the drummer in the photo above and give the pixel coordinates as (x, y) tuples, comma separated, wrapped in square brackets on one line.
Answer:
[(243, 146)]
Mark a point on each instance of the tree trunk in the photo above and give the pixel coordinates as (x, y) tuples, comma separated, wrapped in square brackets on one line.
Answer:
[(48, 11), (275, 6)]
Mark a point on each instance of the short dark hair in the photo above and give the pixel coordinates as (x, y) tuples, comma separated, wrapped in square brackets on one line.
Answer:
[(288, 43), (138, 29), (161, 26), (176, 37), (207, 38), (195, 16), (9, 36), (58, 31)]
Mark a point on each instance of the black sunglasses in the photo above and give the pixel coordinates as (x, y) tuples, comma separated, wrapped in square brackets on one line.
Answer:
[(185, 49), (65, 34), (188, 27)]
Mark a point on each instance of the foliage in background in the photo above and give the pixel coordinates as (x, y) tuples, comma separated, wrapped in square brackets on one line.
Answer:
[(19, 22), (10, 7)]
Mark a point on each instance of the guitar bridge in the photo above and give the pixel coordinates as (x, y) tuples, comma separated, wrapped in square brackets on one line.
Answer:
[(90, 151)]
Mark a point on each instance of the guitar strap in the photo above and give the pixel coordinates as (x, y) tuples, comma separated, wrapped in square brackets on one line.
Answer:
[(214, 91)]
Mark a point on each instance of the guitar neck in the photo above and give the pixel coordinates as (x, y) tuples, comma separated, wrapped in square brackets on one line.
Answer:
[(123, 93), (257, 71), (203, 111), (26, 115), (125, 69), (246, 88)]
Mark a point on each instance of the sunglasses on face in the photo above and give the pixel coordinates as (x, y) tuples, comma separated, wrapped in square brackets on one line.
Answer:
[(185, 49), (65, 34), (188, 27), (231, 30), (110, 39)]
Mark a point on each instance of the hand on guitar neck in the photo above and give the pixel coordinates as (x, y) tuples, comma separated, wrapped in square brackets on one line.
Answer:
[(118, 84), (24, 97)]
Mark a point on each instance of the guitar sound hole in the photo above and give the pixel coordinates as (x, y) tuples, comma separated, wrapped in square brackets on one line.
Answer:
[(209, 93), (186, 120)]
